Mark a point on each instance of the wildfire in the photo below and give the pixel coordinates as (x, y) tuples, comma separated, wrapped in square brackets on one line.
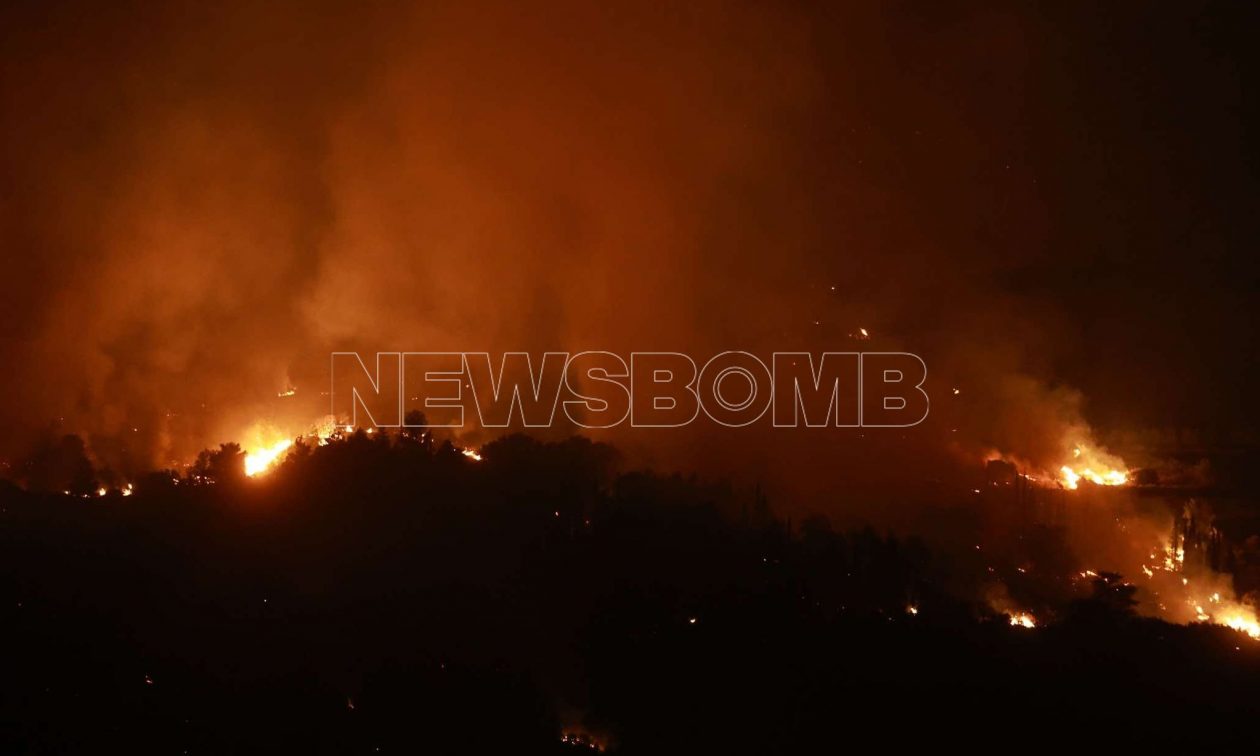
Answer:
[(259, 461), (1243, 620), (1098, 468), (472, 454), (1198, 595), (325, 430), (1023, 619), (1232, 614), (266, 445)]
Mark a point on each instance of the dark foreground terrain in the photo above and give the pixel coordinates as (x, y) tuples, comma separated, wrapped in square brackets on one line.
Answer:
[(390, 597)]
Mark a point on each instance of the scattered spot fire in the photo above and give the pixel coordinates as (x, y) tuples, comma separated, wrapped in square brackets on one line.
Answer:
[(1192, 591), (1159, 553)]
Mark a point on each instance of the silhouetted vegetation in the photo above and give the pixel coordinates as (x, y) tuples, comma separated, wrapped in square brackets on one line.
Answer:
[(390, 593)]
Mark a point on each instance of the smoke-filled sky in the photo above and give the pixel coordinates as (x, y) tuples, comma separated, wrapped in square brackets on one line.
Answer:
[(1052, 203)]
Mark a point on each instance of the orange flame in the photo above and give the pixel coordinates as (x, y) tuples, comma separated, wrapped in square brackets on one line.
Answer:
[(1023, 619), (261, 460), (1096, 467)]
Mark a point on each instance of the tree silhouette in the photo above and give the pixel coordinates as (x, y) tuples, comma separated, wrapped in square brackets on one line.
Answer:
[(223, 465), (61, 466), (1111, 599)]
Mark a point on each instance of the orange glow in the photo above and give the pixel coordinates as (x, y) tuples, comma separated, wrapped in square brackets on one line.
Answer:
[(259, 461), (1023, 619), (1243, 619), (1096, 467), (1196, 595)]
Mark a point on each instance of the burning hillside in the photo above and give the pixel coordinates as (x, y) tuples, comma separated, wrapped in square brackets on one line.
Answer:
[(438, 589), (1159, 544), (1167, 553), (634, 378)]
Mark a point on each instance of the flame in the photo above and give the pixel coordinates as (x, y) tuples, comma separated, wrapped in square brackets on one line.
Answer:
[(1227, 612), (472, 454), (1023, 619), (259, 461), (265, 445), (1201, 596), (1232, 614), (1096, 467), (1087, 464), (1176, 588), (1242, 619), (325, 430)]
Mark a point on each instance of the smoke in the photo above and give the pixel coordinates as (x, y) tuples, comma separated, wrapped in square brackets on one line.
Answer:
[(213, 199), (198, 203)]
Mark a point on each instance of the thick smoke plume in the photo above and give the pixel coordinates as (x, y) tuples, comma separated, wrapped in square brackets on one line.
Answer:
[(199, 202)]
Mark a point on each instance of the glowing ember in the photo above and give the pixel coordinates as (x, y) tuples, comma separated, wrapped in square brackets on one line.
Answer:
[(260, 460), (581, 739)]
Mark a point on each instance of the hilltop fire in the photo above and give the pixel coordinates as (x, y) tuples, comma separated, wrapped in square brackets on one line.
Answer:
[(261, 460), (267, 446)]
